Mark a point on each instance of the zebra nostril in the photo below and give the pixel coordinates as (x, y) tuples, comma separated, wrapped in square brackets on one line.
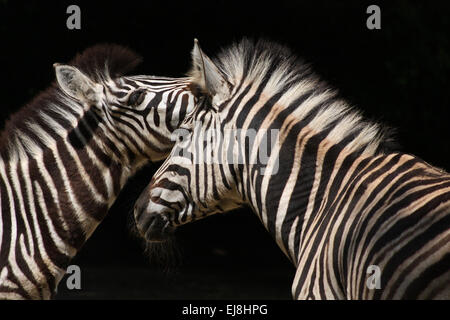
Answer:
[(155, 199)]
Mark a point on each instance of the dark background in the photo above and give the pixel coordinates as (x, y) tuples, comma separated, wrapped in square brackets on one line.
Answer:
[(398, 75)]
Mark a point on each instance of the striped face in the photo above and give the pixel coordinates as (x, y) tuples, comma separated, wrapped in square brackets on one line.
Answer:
[(149, 109), (137, 113), (196, 180), (199, 177)]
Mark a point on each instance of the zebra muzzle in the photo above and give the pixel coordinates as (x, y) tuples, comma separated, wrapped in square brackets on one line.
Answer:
[(154, 227)]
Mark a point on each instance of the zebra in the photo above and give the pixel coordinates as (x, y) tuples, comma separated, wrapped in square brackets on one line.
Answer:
[(65, 156), (334, 192)]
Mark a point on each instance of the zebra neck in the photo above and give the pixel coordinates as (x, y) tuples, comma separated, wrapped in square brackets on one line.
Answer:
[(294, 183), (57, 183)]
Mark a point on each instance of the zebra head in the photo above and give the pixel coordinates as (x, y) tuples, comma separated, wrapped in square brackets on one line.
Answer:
[(199, 177), (136, 114)]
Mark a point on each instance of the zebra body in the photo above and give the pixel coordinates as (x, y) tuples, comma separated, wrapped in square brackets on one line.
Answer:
[(332, 194), (65, 157)]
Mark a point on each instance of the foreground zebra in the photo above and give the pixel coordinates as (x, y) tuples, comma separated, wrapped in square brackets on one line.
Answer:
[(332, 194), (65, 157)]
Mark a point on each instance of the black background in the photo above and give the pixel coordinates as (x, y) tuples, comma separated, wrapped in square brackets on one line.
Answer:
[(398, 75)]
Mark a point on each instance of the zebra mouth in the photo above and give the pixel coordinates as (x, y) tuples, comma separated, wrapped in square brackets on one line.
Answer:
[(156, 228)]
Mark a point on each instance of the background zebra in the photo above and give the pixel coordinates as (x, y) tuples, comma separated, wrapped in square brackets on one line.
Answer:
[(332, 194), (65, 156)]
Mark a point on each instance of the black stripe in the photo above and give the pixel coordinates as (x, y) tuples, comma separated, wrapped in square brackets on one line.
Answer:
[(183, 109), (6, 220)]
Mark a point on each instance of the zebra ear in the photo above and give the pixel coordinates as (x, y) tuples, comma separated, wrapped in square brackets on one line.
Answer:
[(77, 85), (207, 75)]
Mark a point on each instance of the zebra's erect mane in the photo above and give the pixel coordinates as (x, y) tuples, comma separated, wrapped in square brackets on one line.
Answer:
[(106, 61), (99, 62), (280, 70)]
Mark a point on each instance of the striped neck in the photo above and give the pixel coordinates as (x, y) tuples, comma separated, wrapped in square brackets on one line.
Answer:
[(58, 180), (314, 131), (288, 194)]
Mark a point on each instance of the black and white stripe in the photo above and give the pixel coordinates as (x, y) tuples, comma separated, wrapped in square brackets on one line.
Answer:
[(65, 157), (333, 194)]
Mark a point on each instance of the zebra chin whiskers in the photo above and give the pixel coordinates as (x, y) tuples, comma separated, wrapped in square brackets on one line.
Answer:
[(164, 255)]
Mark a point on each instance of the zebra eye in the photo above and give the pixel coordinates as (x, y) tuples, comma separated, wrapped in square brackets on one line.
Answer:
[(136, 98)]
